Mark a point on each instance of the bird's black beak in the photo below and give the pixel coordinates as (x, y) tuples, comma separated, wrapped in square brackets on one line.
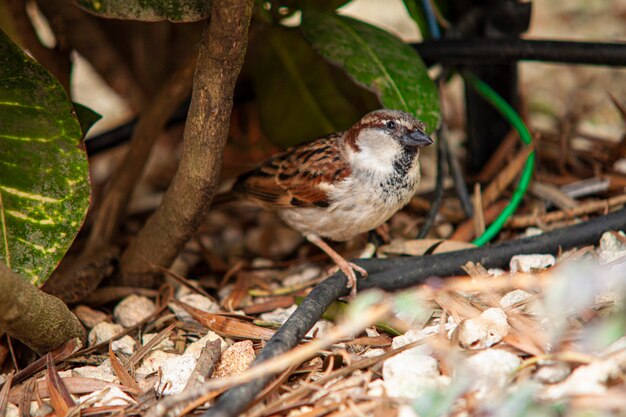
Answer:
[(417, 138)]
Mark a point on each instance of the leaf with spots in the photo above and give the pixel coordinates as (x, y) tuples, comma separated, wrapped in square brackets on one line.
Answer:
[(149, 10), (44, 179), (377, 60)]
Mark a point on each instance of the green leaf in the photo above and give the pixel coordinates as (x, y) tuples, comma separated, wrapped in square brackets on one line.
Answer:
[(298, 94), (377, 60), (44, 180), (86, 117), (149, 10)]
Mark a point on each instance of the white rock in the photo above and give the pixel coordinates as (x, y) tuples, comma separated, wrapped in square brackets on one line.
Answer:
[(175, 373), (321, 328), (152, 362), (552, 372), (12, 411), (532, 231), (530, 263), (376, 388), (133, 309), (490, 371), (513, 297), (371, 332), (235, 360), (589, 379), (483, 331), (372, 353), (95, 372), (103, 332), (196, 347), (198, 301), (410, 373), (279, 315), (125, 345), (611, 247), (110, 396), (414, 335), (496, 272), (165, 344), (302, 277)]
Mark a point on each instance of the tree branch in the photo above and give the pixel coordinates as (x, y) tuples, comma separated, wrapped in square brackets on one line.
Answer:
[(37, 319), (221, 55)]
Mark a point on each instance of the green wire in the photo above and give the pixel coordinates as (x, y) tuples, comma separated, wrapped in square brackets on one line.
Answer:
[(516, 121)]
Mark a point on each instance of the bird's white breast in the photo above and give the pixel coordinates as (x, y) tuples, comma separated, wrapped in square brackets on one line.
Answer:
[(359, 203)]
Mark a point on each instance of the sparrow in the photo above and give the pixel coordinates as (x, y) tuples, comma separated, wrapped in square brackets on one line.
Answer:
[(342, 184)]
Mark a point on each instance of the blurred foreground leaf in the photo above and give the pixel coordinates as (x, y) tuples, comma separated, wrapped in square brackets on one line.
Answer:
[(44, 180), (149, 10), (377, 60)]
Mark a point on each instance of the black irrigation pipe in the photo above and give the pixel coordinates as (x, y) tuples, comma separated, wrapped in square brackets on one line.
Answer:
[(448, 52), (490, 51), (400, 273)]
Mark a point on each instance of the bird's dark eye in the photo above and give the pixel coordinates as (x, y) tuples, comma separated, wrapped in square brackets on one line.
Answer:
[(391, 125)]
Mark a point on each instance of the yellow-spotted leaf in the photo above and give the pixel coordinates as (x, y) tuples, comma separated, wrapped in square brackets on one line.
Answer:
[(44, 180)]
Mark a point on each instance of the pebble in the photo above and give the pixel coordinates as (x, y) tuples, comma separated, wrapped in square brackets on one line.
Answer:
[(513, 297), (483, 331), (195, 300), (196, 347), (125, 345), (133, 309), (95, 372), (490, 371), (411, 373), (235, 360), (103, 332), (152, 362), (611, 247), (175, 373), (589, 380), (552, 372), (531, 263)]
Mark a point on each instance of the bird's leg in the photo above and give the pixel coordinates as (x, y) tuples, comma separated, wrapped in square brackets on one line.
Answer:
[(346, 267)]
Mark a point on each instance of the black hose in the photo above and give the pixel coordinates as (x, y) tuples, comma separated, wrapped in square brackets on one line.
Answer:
[(399, 273), (502, 50)]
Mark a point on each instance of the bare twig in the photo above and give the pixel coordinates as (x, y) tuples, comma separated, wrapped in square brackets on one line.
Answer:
[(151, 123), (221, 55), (528, 220), (56, 60), (79, 31)]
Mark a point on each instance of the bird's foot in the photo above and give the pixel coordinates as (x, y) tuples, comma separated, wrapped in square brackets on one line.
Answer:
[(349, 268)]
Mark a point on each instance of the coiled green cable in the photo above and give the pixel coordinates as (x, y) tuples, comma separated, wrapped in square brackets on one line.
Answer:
[(515, 120)]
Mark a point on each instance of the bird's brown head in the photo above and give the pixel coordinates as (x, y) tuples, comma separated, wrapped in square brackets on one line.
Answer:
[(383, 136), (386, 125)]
